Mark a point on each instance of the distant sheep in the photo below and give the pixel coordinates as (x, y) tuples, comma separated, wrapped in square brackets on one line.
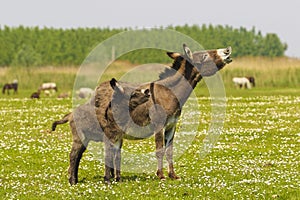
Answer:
[(35, 95), (85, 93), (63, 95), (9, 86), (244, 82), (48, 86)]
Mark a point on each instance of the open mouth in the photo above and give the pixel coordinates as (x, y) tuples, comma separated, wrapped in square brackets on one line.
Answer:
[(228, 60)]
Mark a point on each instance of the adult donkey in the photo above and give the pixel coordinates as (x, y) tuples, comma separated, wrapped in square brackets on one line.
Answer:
[(160, 114)]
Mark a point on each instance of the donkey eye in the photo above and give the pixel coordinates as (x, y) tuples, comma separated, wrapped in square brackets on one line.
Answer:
[(204, 57), (133, 94)]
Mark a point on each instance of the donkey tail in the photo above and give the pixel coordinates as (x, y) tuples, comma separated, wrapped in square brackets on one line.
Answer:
[(64, 120)]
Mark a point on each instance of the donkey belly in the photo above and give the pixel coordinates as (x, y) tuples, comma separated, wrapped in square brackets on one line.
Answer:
[(138, 132), (94, 134), (88, 126), (142, 132), (171, 122)]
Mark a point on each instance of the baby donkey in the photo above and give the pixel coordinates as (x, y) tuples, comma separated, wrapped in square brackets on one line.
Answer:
[(85, 127), (118, 120)]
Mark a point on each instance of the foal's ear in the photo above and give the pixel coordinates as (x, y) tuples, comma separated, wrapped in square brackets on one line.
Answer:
[(115, 85), (145, 91), (187, 52)]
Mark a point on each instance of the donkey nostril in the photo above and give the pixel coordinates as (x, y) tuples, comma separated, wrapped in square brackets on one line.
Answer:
[(228, 50)]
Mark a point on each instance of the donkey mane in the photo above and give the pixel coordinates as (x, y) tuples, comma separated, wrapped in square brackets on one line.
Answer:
[(185, 69), (176, 66), (172, 70)]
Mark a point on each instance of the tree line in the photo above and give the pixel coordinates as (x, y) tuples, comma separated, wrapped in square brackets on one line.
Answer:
[(34, 46)]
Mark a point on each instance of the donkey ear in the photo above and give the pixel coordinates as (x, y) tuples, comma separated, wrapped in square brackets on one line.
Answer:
[(173, 55), (187, 52)]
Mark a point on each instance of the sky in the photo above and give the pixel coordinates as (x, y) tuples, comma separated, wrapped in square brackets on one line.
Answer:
[(267, 16)]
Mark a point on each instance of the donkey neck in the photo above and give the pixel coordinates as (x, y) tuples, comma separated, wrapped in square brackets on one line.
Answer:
[(182, 82)]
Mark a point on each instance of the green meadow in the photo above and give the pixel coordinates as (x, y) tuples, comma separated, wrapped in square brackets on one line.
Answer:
[(257, 155)]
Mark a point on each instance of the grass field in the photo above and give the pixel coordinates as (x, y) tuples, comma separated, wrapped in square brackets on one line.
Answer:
[(257, 155)]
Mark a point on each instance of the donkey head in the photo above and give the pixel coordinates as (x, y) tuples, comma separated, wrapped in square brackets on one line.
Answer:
[(124, 100), (210, 61), (128, 96)]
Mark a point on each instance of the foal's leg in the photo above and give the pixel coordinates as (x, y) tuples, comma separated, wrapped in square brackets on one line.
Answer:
[(160, 151), (112, 160), (109, 162), (78, 147), (169, 136), (76, 153), (118, 160)]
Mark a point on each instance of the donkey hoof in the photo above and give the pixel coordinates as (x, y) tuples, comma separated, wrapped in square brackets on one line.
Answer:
[(160, 175), (73, 181), (118, 179), (107, 181), (174, 176), (112, 172)]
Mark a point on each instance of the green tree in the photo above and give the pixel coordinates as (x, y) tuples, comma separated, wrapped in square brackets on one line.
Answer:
[(49, 46), (272, 46), (27, 57)]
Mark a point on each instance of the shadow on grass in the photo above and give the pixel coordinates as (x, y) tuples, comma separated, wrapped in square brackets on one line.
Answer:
[(125, 178)]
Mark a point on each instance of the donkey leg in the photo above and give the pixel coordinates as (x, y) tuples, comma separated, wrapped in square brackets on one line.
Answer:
[(169, 156), (109, 164), (169, 136), (112, 172), (76, 153), (160, 151), (118, 160)]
